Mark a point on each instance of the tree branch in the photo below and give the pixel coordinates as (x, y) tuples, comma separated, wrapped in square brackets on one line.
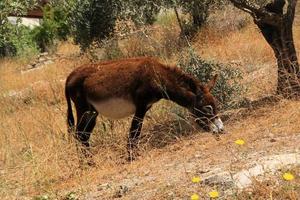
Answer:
[(178, 20), (290, 14), (259, 14), (246, 6)]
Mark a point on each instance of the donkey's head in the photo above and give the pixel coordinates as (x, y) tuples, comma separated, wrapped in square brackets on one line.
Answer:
[(206, 110)]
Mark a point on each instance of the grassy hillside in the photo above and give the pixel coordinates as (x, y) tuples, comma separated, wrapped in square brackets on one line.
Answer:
[(38, 159)]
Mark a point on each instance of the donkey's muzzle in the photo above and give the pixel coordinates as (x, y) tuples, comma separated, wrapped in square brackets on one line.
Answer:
[(216, 125)]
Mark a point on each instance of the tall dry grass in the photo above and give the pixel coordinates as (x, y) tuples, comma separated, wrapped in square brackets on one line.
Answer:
[(37, 156)]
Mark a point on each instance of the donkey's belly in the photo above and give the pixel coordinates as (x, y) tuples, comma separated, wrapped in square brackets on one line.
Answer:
[(115, 108)]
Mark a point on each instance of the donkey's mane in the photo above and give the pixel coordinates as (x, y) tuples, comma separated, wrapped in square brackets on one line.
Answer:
[(185, 77)]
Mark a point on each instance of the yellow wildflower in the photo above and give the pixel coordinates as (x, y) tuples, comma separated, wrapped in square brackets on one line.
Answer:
[(239, 142), (288, 176), (213, 194), (196, 179), (195, 197)]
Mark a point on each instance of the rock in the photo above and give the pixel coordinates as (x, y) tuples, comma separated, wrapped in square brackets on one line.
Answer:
[(42, 59), (243, 178), (48, 62), (223, 179), (44, 54)]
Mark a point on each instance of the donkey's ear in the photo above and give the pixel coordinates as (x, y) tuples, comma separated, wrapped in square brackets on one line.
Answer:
[(211, 84)]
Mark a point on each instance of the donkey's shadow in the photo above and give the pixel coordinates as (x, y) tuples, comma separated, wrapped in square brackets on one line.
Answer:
[(168, 132)]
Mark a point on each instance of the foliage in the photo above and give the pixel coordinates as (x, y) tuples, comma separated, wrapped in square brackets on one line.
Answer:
[(11, 36), (54, 26), (92, 21), (23, 42), (44, 35), (142, 12), (58, 14), (197, 9), (227, 90), (18, 40)]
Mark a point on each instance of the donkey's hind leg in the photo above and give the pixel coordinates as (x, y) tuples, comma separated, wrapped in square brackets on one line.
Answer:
[(85, 126), (86, 121)]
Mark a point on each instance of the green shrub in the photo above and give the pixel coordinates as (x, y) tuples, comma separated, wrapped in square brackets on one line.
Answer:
[(141, 12), (197, 11), (19, 42), (228, 90), (92, 21), (15, 39), (24, 42), (60, 17), (7, 48), (53, 27), (167, 18)]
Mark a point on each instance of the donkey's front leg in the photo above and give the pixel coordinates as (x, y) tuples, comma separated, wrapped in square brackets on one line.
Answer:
[(135, 131)]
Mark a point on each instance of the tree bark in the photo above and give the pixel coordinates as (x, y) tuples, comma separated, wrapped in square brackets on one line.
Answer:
[(277, 28)]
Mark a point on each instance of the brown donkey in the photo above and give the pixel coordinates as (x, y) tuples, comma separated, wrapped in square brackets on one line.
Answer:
[(117, 89)]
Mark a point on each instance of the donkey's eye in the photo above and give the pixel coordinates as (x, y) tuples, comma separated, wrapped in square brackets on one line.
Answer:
[(208, 109)]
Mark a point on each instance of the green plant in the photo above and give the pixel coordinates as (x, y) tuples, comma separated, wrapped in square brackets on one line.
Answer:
[(198, 11), (166, 18), (12, 41), (54, 27), (228, 90), (142, 12), (92, 21), (19, 42), (23, 41)]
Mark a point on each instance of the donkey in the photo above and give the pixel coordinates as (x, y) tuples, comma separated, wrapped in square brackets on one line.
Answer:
[(120, 88)]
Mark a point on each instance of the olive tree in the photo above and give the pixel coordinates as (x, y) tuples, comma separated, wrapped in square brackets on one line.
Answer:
[(142, 12), (92, 20), (275, 21), (198, 10)]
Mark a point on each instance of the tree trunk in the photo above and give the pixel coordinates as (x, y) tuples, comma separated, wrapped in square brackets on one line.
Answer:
[(200, 14), (277, 28), (280, 38)]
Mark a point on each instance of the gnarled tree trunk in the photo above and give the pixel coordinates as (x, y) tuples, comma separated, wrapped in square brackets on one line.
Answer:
[(276, 26)]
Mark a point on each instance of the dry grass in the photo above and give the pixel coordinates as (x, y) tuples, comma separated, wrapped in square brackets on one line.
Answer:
[(37, 156), (239, 48)]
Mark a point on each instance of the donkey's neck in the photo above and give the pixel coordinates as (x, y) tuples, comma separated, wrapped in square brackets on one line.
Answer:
[(181, 87)]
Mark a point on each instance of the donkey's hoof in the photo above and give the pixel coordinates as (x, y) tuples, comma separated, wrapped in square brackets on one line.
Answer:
[(133, 155), (131, 158)]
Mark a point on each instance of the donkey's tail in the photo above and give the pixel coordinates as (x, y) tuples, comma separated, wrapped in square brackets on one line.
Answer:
[(70, 117)]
